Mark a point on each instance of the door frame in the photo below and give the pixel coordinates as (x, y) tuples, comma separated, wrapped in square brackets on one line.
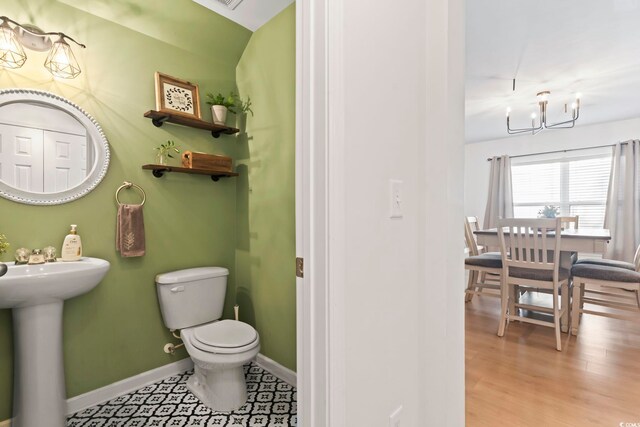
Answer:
[(319, 224)]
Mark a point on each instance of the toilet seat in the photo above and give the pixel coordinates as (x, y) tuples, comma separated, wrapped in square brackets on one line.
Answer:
[(224, 336)]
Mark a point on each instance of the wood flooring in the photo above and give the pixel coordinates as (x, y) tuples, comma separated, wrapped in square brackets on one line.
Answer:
[(520, 380)]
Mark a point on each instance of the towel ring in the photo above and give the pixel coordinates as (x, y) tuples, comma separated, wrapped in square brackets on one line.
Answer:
[(127, 184)]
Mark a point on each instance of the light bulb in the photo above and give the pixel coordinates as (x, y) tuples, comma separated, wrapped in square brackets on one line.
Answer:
[(543, 96), (508, 111), (578, 95), (574, 105), (61, 62), (533, 115), (11, 52)]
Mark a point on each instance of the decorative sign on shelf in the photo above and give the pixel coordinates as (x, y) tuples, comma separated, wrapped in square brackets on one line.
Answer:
[(206, 161), (177, 96)]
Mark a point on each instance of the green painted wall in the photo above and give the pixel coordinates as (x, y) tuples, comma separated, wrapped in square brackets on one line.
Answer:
[(116, 330), (265, 255)]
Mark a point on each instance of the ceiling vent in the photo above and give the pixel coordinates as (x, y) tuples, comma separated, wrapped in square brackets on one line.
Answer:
[(231, 4)]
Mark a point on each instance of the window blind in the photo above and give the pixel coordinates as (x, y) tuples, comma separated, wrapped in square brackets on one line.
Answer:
[(576, 184)]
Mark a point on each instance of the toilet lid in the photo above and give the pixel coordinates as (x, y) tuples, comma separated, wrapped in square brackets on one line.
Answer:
[(224, 334)]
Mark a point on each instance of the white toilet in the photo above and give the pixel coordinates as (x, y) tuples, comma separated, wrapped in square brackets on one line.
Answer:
[(192, 300)]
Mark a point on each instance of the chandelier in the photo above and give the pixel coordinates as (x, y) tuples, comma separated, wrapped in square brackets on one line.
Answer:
[(60, 61), (543, 99)]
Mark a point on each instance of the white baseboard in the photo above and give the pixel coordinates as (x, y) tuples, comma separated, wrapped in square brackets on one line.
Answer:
[(111, 391), (285, 374)]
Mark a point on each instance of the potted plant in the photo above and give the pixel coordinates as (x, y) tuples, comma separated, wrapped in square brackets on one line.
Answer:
[(3, 250), (549, 211), (220, 104), (164, 152)]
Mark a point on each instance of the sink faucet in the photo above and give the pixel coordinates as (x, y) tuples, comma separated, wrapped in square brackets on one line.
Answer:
[(36, 257)]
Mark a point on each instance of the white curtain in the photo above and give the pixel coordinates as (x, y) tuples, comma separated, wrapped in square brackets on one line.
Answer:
[(500, 197), (622, 215)]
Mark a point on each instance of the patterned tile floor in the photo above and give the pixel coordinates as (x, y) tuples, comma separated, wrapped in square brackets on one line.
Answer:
[(271, 402)]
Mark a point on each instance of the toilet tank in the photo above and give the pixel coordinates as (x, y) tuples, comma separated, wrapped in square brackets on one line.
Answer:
[(191, 297)]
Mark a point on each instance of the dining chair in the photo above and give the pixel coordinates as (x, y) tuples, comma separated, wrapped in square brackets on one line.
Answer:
[(566, 221), (635, 265), (593, 277), (472, 224), (484, 267), (531, 259)]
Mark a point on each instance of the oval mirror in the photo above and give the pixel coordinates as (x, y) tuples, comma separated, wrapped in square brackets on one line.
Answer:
[(51, 150)]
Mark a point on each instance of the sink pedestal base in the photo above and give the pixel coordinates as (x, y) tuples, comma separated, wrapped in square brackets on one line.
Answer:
[(39, 398)]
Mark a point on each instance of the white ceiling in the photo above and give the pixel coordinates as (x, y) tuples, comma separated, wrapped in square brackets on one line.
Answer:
[(565, 46), (251, 14)]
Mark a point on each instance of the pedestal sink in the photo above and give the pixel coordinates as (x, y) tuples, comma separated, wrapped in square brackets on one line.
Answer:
[(36, 294)]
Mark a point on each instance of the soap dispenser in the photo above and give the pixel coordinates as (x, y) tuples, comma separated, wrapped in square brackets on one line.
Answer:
[(72, 246)]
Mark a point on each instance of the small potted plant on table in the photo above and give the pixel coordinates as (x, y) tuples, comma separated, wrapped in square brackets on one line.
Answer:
[(549, 211)]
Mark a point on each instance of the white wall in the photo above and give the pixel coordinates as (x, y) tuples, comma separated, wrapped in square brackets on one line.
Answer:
[(476, 168), (403, 323)]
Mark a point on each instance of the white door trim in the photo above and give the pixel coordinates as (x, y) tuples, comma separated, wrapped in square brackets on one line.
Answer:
[(319, 222), (335, 207)]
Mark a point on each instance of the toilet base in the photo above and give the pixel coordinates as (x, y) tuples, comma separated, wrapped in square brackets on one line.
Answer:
[(222, 389)]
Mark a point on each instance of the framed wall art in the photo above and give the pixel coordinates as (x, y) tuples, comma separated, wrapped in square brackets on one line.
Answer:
[(176, 96)]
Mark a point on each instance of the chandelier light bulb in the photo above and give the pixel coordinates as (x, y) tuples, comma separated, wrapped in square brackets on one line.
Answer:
[(508, 111), (574, 105), (543, 96), (533, 116), (578, 95)]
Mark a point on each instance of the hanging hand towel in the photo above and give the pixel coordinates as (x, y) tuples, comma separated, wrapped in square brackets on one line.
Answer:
[(130, 231)]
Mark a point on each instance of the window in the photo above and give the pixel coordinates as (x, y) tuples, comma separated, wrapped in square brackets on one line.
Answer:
[(576, 184)]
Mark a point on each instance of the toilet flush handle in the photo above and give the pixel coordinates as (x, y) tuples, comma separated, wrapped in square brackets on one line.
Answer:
[(177, 289)]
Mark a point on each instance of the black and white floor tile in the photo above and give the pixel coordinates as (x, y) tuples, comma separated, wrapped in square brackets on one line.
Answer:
[(270, 403)]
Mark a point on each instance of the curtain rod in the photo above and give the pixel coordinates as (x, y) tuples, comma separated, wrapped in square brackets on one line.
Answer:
[(560, 151)]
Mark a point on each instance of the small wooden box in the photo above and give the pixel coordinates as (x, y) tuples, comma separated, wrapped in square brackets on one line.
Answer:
[(206, 161)]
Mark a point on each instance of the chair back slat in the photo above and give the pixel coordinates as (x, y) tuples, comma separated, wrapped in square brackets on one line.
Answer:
[(536, 248), (471, 224), (530, 242), (512, 242), (636, 259), (518, 246)]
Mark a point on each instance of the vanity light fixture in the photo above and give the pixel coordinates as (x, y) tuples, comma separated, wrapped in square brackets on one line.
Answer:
[(60, 61), (543, 99)]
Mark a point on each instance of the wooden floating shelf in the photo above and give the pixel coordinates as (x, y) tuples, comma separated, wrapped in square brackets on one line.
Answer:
[(159, 118), (159, 170)]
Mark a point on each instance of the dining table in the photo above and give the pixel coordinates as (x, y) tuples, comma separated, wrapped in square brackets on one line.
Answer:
[(580, 240)]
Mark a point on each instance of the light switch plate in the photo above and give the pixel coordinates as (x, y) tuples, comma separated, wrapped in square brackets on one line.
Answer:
[(395, 189)]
